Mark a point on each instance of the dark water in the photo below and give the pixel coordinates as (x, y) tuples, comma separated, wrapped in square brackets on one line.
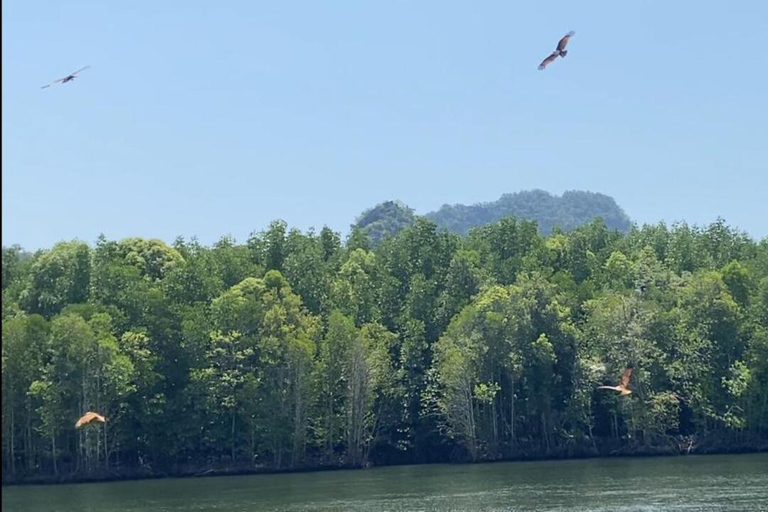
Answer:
[(723, 482)]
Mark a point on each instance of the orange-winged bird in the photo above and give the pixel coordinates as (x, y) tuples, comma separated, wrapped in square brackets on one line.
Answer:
[(622, 388), (89, 418)]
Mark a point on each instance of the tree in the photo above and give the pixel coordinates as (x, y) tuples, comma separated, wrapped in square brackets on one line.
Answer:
[(333, 372), (354, 289), (58, 277)]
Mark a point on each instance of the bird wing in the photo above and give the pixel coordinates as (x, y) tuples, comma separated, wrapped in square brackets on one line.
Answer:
[(564, 41), (89, 417), (615, 388), (546, 62), (625, 377), (85, 418), (79, 70), (54, 82)]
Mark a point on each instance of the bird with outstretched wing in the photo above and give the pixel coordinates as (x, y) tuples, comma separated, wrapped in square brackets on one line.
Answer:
[(560, 51), (67, 78), (564, 42), (549, 60), (89, 418), (622, 388)]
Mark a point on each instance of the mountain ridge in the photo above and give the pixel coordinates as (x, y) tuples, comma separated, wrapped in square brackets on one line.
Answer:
[(568, 211)]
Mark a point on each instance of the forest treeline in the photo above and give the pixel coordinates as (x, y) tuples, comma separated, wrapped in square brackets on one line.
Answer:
[(298, 350)]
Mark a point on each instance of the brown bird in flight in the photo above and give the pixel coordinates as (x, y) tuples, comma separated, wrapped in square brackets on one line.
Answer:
[(621, 388), (67, 78), (90, 417), (560, 51)]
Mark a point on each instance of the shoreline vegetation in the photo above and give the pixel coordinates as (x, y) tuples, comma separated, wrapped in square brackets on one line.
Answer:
[(296, 352), (757, 446)]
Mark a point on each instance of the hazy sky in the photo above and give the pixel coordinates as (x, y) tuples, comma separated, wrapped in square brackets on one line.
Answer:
[(215, 118)]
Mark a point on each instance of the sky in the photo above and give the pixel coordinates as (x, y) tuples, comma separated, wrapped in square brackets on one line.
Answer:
[(213, 119)]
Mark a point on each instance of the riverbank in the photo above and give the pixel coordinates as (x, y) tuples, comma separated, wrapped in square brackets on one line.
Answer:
[(678, 446)]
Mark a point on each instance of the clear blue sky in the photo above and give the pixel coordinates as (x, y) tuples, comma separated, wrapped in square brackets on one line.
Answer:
[(215, 118)]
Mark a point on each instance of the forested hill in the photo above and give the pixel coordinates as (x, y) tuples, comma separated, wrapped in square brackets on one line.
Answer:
[(297, 350), (387, 218), (572, 209)]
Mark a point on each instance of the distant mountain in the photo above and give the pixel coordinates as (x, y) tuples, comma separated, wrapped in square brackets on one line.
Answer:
[(387, 218), (568, 211)]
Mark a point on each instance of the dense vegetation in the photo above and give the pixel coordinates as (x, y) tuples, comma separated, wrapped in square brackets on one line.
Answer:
[(295, 350), (571, 210)]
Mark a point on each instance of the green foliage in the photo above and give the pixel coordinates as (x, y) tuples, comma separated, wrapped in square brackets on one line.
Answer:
[(295, 350), (58, 277)]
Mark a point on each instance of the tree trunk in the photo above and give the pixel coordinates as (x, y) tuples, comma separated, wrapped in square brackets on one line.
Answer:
[(13, 442), (513, 434), (329, 434), (53, 452), (470, 420), (106, 448), (298, 418), (30, 450), (253, 446), (233, 434), (494, 420)]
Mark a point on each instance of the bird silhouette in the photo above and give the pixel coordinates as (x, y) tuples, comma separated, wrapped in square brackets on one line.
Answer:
[(622, 388), (67, 78), (560, 51), (89, 418)]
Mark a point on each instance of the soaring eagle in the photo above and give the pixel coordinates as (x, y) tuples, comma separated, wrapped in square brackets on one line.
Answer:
[(560, 51), (89, 418), (67, 78), (622, 388)]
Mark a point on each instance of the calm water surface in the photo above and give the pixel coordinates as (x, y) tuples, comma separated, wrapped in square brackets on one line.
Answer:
[(721, 482)]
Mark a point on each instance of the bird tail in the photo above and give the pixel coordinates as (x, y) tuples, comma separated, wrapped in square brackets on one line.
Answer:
[(563, 53)]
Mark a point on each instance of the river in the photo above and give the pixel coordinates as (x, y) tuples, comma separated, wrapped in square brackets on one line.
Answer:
[(718, 482)]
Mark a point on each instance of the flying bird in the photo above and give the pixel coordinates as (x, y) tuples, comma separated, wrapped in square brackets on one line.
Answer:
[(621, 388), (67, 78), (560, 51), (89, 418)]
